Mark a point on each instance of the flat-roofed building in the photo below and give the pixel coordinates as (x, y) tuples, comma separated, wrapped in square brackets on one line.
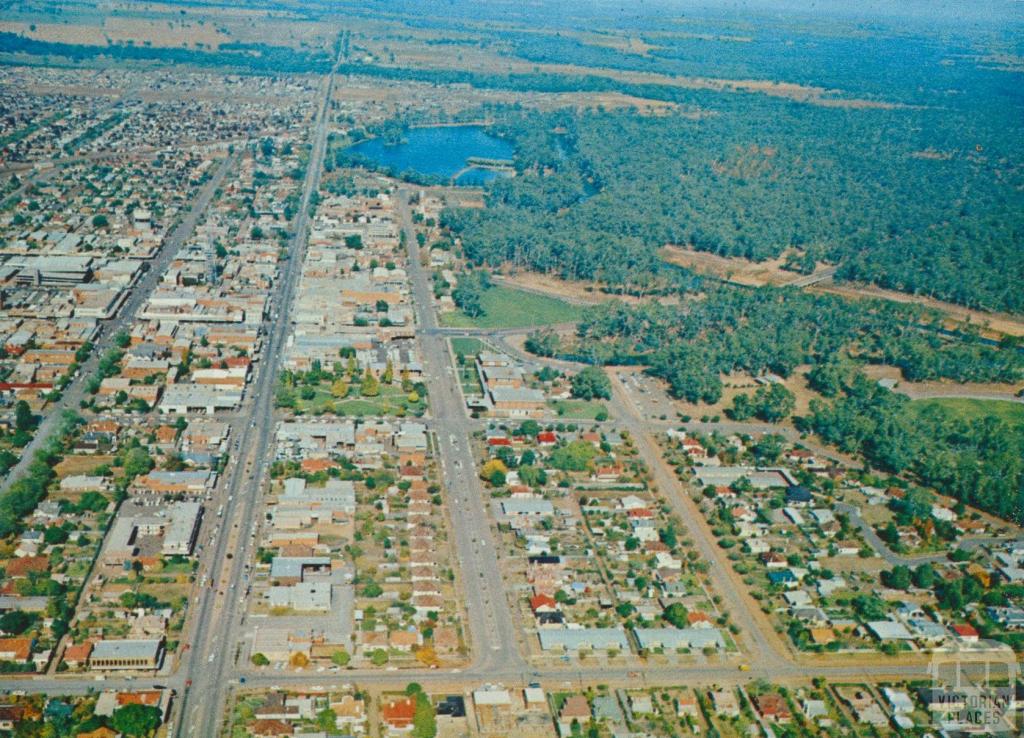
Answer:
[(182, 529), (52, 270), (143, 655)]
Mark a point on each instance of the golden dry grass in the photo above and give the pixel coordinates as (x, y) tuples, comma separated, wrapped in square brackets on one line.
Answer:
[(732, 268), (72, 465)]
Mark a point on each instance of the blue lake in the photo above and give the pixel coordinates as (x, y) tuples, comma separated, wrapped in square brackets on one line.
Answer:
[(440, 152)]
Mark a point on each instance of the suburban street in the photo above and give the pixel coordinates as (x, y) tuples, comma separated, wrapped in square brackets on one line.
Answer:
[(75, 392)]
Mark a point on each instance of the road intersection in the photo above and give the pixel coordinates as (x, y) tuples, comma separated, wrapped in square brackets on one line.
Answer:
[(210, 669)]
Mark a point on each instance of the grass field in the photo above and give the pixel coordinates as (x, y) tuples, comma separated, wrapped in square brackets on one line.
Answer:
[(578, 409), (468, 346), (506, 307), (71, 465), (1010, 412), (391, 401)]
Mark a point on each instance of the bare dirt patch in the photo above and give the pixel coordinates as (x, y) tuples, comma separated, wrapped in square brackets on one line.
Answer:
[(730, 268), (932, 155), (624, 44), (582, 293), (944, 388)]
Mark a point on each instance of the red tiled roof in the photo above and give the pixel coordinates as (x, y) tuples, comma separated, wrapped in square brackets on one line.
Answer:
[(398, 713), (542, 600), (26, 564)]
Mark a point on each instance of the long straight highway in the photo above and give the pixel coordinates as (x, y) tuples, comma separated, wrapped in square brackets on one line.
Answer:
[(217, 624)]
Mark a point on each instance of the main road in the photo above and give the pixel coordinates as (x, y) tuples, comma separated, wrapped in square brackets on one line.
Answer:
[(217, 624), (75, 392), (493, 631)]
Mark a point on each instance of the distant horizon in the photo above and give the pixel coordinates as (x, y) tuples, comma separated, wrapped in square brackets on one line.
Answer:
[(1010, 11)]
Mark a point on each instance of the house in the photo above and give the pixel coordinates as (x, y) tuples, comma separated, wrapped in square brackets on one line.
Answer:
[(782, 578), (542, 603), (606, 707), (773, 560), (966, 632), (580, 639), (640, 703), (574, 709), (798, 495), (686, 705), (452, 706), (889, 630), (940, 700), (493, 706), (270, 728), (76, 656), (101, 732), (679, 638), (15, 649), (398, 714), (773, 708), (899, 701), (13, 715), (814, 709), (865, 709), (724, 703)]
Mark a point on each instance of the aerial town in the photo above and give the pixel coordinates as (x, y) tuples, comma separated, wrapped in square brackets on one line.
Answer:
[(315, 422)]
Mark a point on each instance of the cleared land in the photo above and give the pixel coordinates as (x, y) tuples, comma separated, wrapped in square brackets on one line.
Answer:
[(505, 307)]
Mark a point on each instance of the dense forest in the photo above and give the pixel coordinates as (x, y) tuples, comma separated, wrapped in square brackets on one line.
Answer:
[(599, 192), (979, 462), (777, 330)]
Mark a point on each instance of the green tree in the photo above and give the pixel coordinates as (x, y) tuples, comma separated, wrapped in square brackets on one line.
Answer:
[(136, 720), (327, 720), (590, 383), (340, 657), (24, 420), (773, 403), (676, 615), (16, 622), (924, 576), (424, 723), (137, 462), (742, 408), (370, 386), (258, 659), (574, 456), (897, 578)]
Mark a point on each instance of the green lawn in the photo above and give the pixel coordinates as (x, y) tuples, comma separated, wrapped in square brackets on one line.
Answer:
[(390, 401), (505, 307), (468, 347), (578, 409), (1010, 412)]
